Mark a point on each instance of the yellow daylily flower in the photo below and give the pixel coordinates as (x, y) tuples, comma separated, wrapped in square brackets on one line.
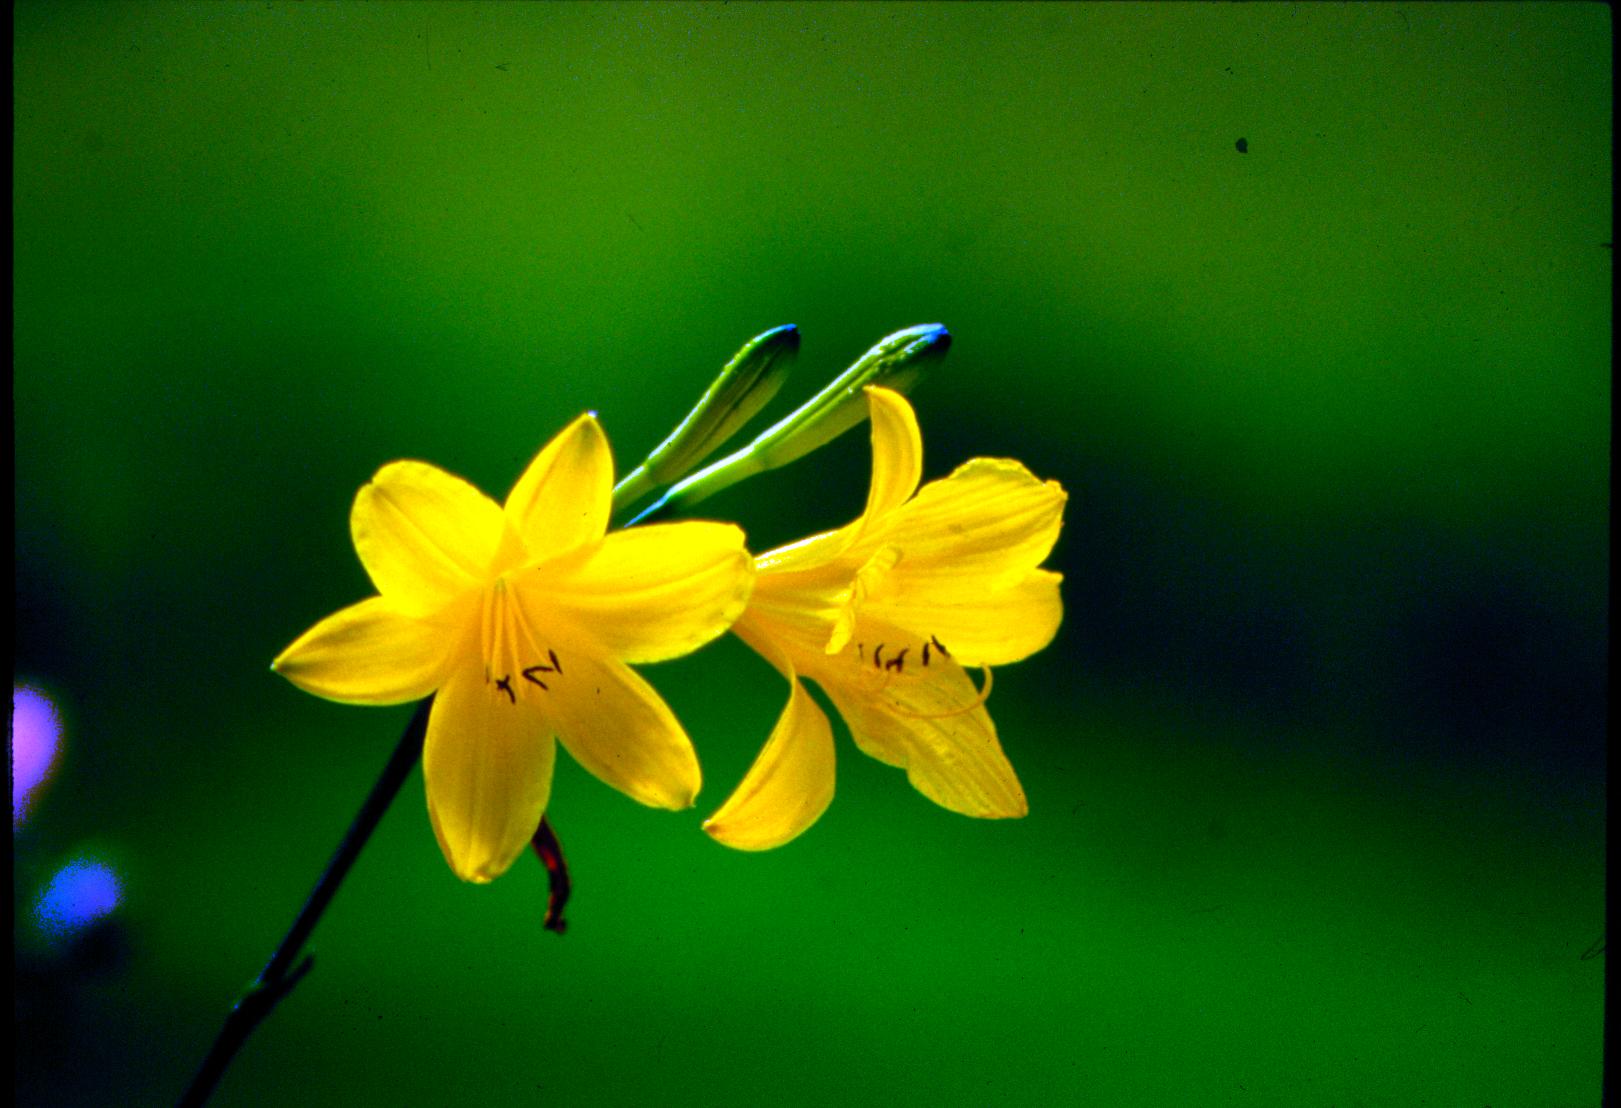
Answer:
[(884, 614), (522, 618)]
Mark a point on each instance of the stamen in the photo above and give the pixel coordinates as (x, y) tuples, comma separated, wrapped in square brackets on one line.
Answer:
[(486, 620), (532, 649), (507, 642)]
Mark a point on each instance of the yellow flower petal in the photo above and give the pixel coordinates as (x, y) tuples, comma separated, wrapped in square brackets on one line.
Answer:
[(616, 726), (929, 721), (654, 592), (897, 465), (806, 555), (897, 453), (991, 518), (488, 765), (789, 786), (874, 574), (980, 623), (372, 653), (424, 535), (564, 498), (777, 628)]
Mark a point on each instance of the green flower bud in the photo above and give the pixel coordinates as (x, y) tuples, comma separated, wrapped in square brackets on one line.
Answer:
[(745, 385), (895, 362)]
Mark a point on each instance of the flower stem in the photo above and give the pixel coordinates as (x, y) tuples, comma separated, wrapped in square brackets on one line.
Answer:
[(550, 853), (281, 974)]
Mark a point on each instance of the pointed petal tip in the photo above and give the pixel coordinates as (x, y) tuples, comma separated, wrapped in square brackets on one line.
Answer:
[(665, 800), (728, 837), (1018, 809), (681, 801), (1014, 807)]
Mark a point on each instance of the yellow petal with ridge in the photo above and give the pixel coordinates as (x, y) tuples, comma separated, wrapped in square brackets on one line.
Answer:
[(789, 786), (487, 761), (424, 535), (371, 653), (653, 592), (565, 496)]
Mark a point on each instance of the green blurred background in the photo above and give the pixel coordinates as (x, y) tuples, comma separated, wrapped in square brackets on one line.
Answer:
[(1316, 766)]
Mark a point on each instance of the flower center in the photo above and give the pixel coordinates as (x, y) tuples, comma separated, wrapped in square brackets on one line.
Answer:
[(883, 665), (516, 663)]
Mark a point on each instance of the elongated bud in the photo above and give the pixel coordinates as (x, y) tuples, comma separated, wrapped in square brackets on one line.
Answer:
[(745, 385), (895, 362)]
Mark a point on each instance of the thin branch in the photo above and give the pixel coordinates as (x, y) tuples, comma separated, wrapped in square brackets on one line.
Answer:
[(281, 973)]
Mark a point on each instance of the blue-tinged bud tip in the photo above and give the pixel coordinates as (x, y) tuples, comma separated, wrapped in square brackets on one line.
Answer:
[(930, 338)]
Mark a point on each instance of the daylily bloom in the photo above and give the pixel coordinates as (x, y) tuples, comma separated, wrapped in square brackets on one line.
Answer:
[(884, 614), (522, 618)]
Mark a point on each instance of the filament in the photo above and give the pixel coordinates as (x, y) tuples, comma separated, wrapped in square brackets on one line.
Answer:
[(984, 695)]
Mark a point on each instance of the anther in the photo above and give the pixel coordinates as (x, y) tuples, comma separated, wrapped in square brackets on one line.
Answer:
[(505, 685)]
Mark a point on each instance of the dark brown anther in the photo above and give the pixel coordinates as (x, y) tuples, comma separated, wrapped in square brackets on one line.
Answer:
[(898, 662), (529, 675), (552, 654), (940, 646), (878, 656), (505, 685)]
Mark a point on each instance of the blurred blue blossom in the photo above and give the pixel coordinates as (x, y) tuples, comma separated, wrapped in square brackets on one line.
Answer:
[(81, 892)]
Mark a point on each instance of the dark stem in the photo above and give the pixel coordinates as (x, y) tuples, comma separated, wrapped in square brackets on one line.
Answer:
[(550, 852), (280, 974)]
